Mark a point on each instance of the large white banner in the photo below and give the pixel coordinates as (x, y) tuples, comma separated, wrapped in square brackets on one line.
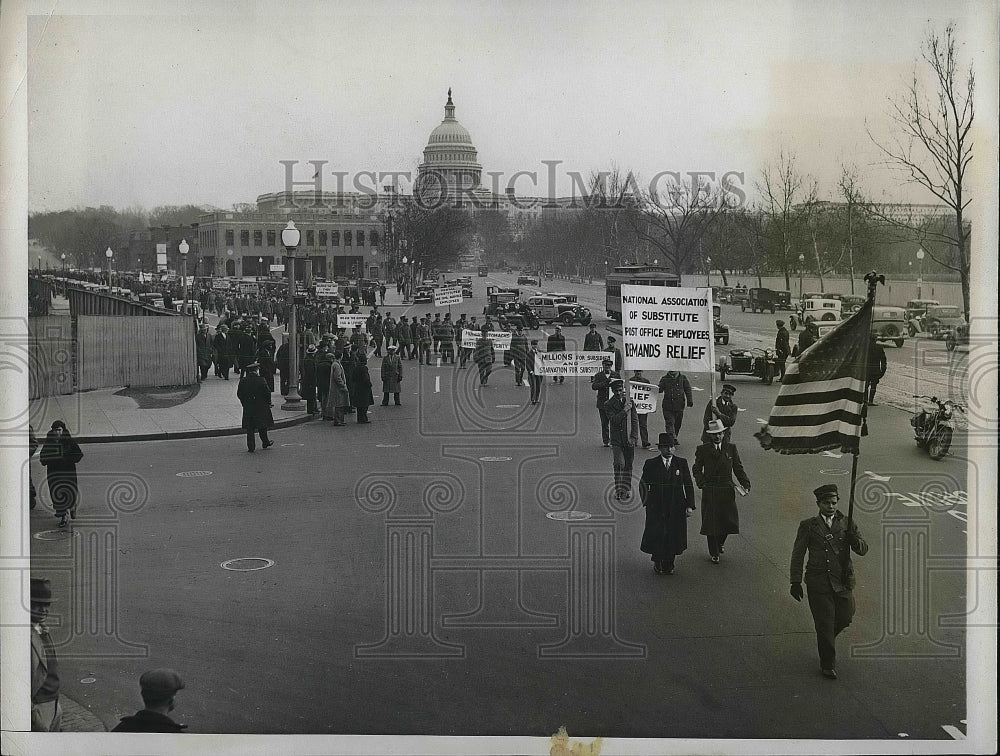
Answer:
[(571, 363), (348, 320), (667, 329), (447, 295), (643, 396), (220, 283)]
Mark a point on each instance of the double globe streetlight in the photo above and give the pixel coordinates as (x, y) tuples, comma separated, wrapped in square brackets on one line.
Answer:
[(183, 248)]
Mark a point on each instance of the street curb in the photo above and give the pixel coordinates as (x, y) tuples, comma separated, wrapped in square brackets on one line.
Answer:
[(179, 435)]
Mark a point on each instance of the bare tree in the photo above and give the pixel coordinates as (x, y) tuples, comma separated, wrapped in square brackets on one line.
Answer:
[(781, 189), (934, 146), (751, 229)]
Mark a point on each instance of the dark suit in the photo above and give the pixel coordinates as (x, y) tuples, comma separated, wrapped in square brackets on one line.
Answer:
[(831, 600), (713, 472), (728, 412), (667, 493), (601, 383), (876, 369), (255, 396), (623, 431)]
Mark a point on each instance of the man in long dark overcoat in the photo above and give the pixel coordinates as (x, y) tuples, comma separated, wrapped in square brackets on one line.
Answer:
[(361, 388), (392, 374), (223, 352), (667, 493), (255, 396), (203, 351), (338, 396), (715, 463)]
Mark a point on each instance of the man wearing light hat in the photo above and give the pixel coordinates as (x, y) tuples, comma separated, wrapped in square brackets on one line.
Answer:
[(831, 599), (723, 409), (667, 493), (158, 688), (714, 465)]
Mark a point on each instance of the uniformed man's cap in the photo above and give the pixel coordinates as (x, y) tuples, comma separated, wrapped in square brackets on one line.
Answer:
[(617, 383), (161, 681), (611, 339), (728, 387), (780, 323), (607, 362), (390, 349), (826, 491)]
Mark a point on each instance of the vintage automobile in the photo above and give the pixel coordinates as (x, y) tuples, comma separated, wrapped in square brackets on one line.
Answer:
[(482, 271), (889, 324), (524, 280), (762, 299), (721, 329), (850, 304), (546, 307), (423, 294), (822, 329), (759, 363), (466, 285), (496, 296), (515, 313), (957, 336), (820, 309), (940, 320), (722, 294), (570, 309), (915, 309)]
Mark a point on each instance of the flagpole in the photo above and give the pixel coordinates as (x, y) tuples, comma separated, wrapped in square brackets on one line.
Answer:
[(872, 279), (711, 345)]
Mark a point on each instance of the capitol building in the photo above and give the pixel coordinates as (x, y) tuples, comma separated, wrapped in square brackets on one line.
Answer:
[(344, 234)]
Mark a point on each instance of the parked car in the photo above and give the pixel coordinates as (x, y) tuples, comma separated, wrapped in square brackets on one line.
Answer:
[(527, 281), (423, 294), (496, 297), (722, 294), (760, 300), (850, 303), (151, 298), (517, 313), (889, 324), (191, 306), (570, 310), (820, 309), (940, 320), (915, 309), (546, 307), (721, 330), (482, 271)]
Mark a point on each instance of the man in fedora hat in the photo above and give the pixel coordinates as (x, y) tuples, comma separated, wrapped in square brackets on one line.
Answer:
[(46, 714), (255, 396), (831, 598), (391, 373), (723, 409), (157, 688), (623, 429), (309, 378), (715, 463), (667, 493)]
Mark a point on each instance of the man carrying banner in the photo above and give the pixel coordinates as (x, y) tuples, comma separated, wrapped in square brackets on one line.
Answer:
[(623, 426), (723, 409), (676, 390), (638, 377), (533, 364), (601, 383), (667, 494), (714, 465), (556, 343), (828, 538), (484, 356)]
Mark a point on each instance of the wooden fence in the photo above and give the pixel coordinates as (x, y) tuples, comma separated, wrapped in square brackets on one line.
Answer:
[(50, 356), (134, 351)]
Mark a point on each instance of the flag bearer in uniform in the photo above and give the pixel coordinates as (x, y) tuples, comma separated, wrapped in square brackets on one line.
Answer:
[(831, 599)]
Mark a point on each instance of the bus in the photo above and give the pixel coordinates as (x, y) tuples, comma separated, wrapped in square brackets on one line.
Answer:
[(483, 270), (638, 275)]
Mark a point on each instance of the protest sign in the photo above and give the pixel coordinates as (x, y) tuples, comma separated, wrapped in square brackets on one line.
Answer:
[(570, 363), (348, 320), (327, 290), (643, 396), (666, 328), (469, 338), (447, 295), (500, 339), (217, 283)]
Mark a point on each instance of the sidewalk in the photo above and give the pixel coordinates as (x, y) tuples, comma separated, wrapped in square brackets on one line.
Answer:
[(101, 416), (77, 718)]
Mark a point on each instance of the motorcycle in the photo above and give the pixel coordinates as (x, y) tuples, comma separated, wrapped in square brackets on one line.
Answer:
[(933, 429), (760, 363)]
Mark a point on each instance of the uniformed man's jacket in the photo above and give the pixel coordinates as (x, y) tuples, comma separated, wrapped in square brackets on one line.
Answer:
[(825, 546)]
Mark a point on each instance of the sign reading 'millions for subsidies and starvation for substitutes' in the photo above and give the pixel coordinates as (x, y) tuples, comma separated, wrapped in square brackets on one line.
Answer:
[(667, 329)]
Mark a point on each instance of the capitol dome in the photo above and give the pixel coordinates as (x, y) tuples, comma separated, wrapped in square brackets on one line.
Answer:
[(450, 158)]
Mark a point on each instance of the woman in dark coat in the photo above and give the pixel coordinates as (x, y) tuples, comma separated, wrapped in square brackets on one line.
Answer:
[(255, 396), (60, 455), (667, 493), (361, 388)]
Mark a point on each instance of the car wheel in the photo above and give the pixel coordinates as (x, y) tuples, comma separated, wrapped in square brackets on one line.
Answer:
[(567, 319), (935, 329), (912, 330), (828, 316)]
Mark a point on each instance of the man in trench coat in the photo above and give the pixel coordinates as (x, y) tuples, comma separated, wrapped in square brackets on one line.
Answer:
[(715, 463), (667, 493), (338, 397), (391, 374)]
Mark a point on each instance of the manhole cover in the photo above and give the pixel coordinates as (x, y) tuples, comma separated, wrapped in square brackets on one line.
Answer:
[(835, 472), (247, 564), (194, 474), (386, 446), (570, 516), (494, 459), (54, 535), (88, 680)]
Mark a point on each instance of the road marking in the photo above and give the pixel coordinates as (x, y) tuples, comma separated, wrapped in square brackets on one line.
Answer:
[(955, 733), (695, 388), (761, 420), (508, 406), (740, 409), (88, 680), (876, 476), (833, 454), (386, 446), (439, 362), (293, 444), (437, 384), (834, 471)]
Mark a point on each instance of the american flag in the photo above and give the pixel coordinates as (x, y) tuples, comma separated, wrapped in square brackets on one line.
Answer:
[(821, 403)]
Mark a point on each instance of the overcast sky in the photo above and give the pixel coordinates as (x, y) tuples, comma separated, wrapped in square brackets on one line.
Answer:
[(156, 103)]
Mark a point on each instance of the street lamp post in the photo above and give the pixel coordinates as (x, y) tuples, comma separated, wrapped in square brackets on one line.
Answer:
[(63, 258), (109, 254), (290, 241), (260, 267), (605, 270), (183, 249), (708, 271), (920, 272), (802, 259)]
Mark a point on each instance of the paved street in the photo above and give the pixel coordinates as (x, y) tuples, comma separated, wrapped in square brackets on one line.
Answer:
[(403, 577)]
